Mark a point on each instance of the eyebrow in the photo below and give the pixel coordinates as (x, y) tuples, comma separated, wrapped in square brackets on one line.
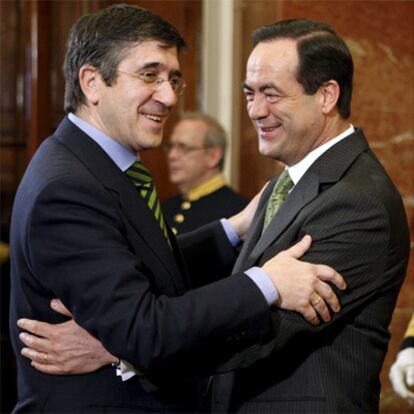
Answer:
[(262, 87), (157, 65)]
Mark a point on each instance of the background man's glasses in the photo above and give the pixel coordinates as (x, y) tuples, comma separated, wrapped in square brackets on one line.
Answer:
[(182, 148), (152, 79)]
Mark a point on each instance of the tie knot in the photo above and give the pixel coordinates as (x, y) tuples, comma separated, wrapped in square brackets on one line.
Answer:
[(284, 183), (280, 191), (139, 174)]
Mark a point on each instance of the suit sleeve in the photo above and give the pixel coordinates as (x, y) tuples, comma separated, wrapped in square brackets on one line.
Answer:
[(209, 241), (78, 250), (364, 238)]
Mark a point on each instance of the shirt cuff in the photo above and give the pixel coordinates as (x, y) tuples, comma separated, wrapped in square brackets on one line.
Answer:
[(126, 371), (264, 283), (231, 234)]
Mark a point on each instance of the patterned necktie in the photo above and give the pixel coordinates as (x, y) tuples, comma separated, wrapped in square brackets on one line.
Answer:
[(278, 196), (141, 178)]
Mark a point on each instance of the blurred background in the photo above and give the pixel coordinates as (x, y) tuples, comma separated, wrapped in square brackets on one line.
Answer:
[(380, 34)]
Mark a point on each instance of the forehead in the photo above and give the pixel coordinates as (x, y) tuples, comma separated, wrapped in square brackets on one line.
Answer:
[(189, 131), (272, 59), (152, 51)]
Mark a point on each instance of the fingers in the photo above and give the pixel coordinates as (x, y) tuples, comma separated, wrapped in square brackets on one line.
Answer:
[(32, 341), (409, 376), (409, 379), (327, 294), (397, 380), (328, 274), (35, 327), (319, 306), (59, 307), (300, 248), (310, 315), (39, 357)]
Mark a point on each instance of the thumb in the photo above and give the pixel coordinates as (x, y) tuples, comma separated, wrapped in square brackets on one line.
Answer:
[(59, 307), (300, 248)]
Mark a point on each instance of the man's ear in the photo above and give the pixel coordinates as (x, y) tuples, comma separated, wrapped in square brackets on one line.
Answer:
[(330, 92), (214, 155), (89, 80)]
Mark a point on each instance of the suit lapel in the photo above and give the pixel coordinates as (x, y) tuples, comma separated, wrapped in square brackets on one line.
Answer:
[(327, 169), (302, 194), (132, 205)]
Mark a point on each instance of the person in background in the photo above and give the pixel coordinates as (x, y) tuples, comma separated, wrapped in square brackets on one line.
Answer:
[(195, 155), (402, 371)]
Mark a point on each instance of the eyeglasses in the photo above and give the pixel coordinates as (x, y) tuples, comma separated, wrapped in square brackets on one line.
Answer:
[(182, 148), (150, 78)]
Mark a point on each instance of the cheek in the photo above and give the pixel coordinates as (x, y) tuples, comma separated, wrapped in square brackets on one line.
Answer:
[(249, 108)]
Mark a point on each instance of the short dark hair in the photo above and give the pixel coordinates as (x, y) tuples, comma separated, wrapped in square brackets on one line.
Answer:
[(323, 56), (102, 39)]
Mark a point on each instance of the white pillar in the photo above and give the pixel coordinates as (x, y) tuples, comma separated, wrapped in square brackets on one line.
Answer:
[(220, 73)]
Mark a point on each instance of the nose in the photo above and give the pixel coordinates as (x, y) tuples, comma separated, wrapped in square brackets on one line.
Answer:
[(173, 153), (257, 108), (165, 94)]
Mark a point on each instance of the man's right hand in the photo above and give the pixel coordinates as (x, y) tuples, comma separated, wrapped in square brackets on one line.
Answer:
[(241, 221), (302, 286)]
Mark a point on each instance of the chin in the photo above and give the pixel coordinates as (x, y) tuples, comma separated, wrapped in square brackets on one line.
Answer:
[(269, 151), (174, 179), (265, 151)]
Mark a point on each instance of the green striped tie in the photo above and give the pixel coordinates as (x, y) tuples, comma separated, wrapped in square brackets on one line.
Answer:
[(141, 178)]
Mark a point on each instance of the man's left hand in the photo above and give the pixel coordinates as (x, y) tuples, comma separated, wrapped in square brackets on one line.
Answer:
[(64, 348)]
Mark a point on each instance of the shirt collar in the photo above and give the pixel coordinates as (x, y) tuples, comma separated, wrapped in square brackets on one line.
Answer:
[(122, 157), (297, 171)]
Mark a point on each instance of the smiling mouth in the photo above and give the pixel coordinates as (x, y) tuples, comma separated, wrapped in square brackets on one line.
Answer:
[(156, 118), (268, 129)]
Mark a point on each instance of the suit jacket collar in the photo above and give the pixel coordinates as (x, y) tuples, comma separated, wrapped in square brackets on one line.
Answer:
[(327, 169), (133, 206)]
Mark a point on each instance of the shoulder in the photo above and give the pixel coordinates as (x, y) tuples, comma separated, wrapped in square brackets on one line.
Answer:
[(228, 193)]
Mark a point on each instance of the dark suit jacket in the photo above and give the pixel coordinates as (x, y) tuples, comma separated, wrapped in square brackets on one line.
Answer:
[(223, 202), (355, 215), (81, 232)]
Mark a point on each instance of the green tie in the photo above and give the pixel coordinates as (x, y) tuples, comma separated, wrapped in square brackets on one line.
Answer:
[(278, 196), (141, 178)]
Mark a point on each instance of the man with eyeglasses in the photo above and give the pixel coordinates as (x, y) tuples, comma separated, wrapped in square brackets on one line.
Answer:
[(87, 228), (195, 155)]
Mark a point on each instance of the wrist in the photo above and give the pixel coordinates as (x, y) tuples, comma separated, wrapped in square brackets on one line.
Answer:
[(116, 363), (234, 224)]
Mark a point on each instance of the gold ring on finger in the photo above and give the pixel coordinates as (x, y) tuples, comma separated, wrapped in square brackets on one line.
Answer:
[(316, 302)]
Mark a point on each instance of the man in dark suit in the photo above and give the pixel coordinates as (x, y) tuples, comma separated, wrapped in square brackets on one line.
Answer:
[(298, 90), (87, 228), (195, 156)]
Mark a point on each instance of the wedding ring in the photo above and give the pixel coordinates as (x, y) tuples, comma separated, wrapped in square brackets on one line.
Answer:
[(316, 302)]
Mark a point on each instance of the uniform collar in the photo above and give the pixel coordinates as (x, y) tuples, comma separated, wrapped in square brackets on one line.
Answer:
[(206, 188)]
